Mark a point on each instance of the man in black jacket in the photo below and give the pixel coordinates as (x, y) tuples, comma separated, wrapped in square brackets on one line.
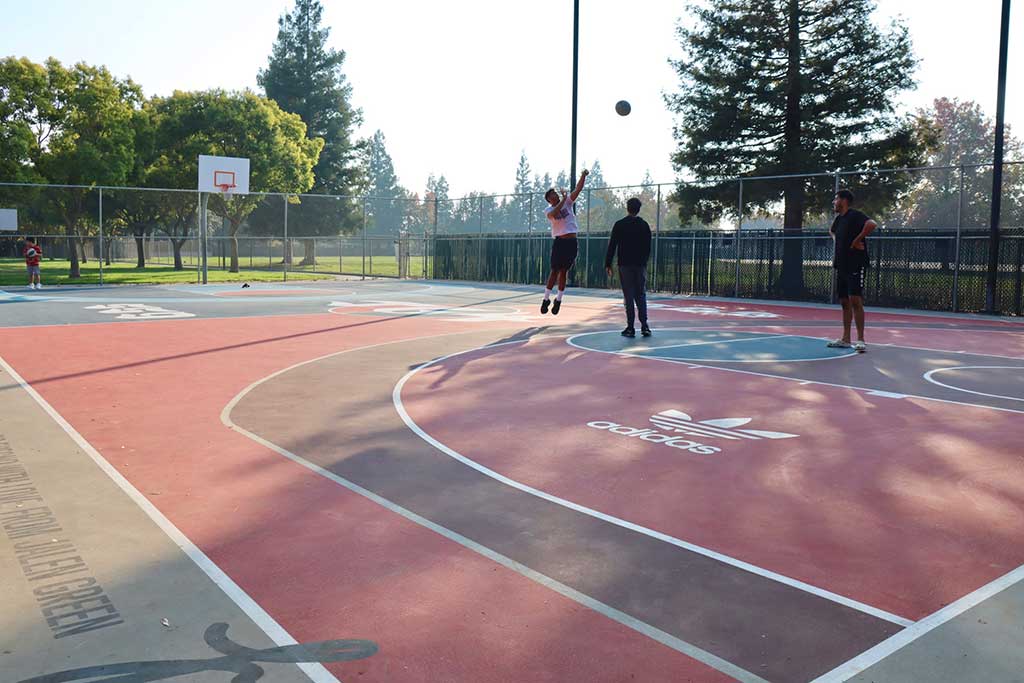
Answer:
[(632, 237)]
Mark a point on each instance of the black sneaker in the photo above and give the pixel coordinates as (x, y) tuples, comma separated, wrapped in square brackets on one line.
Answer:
[(558, 305), (544, 305), (645, 331), (629, 332)]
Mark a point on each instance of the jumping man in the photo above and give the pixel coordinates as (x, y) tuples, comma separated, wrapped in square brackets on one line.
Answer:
[(849, 232), (562, 214)]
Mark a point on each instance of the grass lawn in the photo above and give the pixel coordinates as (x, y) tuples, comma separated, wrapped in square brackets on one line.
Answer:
[(12, 273)]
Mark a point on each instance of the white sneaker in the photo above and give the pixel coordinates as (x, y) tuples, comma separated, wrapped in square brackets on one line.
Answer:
[(32, 285), (39, 286)]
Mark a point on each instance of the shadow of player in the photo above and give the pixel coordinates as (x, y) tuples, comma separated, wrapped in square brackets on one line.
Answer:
[(237, 659)]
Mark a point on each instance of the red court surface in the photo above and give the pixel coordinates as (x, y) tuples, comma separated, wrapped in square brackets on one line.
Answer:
[(902, 504)]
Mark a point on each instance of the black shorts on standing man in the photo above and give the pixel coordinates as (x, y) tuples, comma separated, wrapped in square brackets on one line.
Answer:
[(631, 237)]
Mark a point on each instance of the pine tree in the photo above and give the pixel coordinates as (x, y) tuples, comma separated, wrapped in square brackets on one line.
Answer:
[(519, 209), (384, 208), (438, 190), (304, 76), (773, 87)]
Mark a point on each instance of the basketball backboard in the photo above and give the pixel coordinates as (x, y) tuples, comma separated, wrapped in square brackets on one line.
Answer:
[(226, 175), (8, 219)]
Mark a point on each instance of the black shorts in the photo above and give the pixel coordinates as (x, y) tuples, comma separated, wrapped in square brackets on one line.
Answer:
[(563, 253), (849, 282)]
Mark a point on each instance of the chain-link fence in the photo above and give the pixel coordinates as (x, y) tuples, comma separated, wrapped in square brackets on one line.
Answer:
[(930, 252), (764, 237), (97, 235)]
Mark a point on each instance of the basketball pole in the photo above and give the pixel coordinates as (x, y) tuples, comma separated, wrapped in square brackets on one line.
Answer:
[(991, 302), (203, 227), (575, 85)]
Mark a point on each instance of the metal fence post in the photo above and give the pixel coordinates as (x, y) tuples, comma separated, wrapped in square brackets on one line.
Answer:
[(832, 277), (480, 243), (529, 243), (363, 268), (739, 232), (586, 250), (426, 238), (693, 261), (657, 240), (956, 248), (287, 245), (102, 253)]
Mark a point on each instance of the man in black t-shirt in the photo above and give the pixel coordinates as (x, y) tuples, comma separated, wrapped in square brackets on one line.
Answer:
[(849, 232), (631, 237)]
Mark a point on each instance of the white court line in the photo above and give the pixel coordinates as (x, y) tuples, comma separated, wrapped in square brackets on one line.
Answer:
[(900, 640), (608, 611), (716, 341), (799, 380), (725, 559), (928, 376), (252, 609)]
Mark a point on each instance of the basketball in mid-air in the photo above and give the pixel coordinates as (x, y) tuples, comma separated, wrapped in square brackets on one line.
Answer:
[(622, 108)]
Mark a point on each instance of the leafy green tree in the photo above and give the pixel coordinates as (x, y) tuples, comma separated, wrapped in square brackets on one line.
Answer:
[(26, 116), (231, 124), (304, 76), (90, 141), (773, 87), (963, 135)]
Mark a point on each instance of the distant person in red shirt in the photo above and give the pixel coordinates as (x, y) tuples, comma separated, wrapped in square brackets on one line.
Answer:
[(33, 253)]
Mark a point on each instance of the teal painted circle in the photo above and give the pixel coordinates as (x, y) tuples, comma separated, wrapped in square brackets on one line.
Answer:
[(724, 346)]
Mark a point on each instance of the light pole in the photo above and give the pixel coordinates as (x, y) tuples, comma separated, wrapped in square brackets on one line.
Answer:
[(575, 83), (997, 169)]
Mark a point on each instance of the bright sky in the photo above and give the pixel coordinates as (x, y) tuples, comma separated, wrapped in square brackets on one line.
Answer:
[(461, 87)]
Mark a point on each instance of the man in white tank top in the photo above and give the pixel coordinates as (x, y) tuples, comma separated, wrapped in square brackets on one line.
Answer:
[(562, 214)]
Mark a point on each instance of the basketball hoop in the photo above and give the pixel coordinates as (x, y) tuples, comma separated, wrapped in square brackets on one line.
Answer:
[(225, 180)]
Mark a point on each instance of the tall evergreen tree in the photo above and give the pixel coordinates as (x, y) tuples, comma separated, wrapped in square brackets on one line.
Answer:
[(773, 87), (519, 209), (384, 208), (304, 76), (438, 191)]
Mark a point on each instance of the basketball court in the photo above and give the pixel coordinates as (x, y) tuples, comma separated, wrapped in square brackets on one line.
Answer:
[(393, 481)]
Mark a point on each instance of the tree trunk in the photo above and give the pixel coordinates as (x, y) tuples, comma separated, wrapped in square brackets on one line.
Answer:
[(108, 249), (75, 271), (287, 258), (792, 279), (233, 231), (309, 255), (140, 250), (81, 245), (176, 245)]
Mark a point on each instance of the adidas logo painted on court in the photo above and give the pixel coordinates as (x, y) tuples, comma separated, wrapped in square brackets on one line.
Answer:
[(678, 422)]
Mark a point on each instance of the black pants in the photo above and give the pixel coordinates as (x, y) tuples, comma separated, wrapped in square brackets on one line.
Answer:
[(634, 291)]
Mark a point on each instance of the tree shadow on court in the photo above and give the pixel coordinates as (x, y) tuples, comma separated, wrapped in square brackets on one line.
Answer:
[(238, 346)]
